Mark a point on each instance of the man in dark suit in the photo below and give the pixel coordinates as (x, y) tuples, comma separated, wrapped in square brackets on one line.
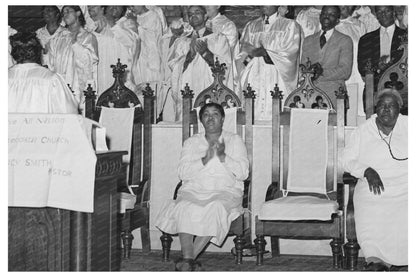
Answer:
[(380, 46), (330, 52)]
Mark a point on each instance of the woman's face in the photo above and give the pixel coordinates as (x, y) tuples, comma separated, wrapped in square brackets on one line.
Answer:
[(115, 11), (212, 120), (50, 15), (95, 12), (282, 10), (387, 110), (69, 15)]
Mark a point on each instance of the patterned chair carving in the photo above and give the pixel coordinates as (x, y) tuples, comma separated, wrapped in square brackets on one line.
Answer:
[(119, 96), (296, 199), (217, 92)]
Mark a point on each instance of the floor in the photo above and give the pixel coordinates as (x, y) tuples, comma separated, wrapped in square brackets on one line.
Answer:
[(220, 261)]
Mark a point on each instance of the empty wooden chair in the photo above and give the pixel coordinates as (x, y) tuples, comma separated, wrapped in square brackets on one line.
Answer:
[(139, 160), (300, 204)]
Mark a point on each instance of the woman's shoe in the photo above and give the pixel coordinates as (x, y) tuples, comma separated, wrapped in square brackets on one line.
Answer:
[(184, 265), (375, 267)]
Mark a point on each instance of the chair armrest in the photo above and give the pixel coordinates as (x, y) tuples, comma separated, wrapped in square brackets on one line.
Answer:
[(351, 181), (176, 190), (246, 200), (142, 192), (273, 191)]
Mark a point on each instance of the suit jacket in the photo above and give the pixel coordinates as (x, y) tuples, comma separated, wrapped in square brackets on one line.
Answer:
[(369, 48), (336, 58)]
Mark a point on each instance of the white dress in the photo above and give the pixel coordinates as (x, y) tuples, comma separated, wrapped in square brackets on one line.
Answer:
[(210, 197), (381, 220), (35, 89), (44, 37)]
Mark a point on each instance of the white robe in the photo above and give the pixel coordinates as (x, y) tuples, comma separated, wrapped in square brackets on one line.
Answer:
[(115, 43), (222, 25), (380, 220), (282, 43), (44, 37), (35, 89), (367, 18), (148, 66), (354, 28), (210, 197), (198, 74), (309, 21), (77, 62)]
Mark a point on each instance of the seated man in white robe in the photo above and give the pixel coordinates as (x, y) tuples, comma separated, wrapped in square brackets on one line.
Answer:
[(212, 168), (270, 48), (32, 87), (376, 153)]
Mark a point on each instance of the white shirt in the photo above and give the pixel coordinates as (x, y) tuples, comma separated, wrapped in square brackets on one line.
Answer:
[(328, 34), (272, 19), (385, 45)]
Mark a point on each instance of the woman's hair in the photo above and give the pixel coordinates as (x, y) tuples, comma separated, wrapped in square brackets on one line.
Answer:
[(56, 10), (215, 105), (290, 12), (26, 47), (123, 12), (390, 92), (81, 17)]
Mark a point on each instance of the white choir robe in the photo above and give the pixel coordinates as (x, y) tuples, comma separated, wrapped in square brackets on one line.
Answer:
[(147, 67), (222, 25), (309, 21), (76, 62), (44, 37), (198, 74), (369, 20), (35, 89), (210, 197), (354, 28), (380, 220), (282, 43), (115, 43)]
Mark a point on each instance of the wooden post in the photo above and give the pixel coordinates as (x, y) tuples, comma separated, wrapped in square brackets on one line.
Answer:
[(147, 132), (89, 102), (186, 111), (341, 95), (277, 96)]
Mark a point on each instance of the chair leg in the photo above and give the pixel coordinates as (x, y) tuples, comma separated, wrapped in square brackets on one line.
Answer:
[(351, 254), (166, 240), (336, 245), (260, 243), (239, 244), (275, 246), (144, 232), (127, 238)]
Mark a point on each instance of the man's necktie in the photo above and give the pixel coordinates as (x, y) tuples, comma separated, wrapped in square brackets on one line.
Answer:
[(322, 39), (385, 43), (266, 19)]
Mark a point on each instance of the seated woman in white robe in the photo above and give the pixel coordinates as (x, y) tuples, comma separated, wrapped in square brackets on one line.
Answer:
[(74, 53), (212, 168), (32, 87), (376, 154)]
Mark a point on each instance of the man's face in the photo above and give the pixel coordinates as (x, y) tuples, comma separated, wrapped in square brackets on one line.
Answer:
[(212, 11), (212, 120), (196, 16), (346, 11), (268, 10), (69, 15), (385, 15), (387, 110), (329, 18), (95, 12), (115, 11)]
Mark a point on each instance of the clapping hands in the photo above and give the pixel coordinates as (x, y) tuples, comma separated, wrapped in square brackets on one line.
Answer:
[(216, 148)]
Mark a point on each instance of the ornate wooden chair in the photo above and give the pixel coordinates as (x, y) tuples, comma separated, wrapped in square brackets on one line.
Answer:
[(294, 210), (393, 76), (217, 92), (138, 179)]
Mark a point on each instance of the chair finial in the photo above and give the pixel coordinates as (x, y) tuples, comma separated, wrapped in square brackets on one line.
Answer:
[(249, 93), (118, 69), (341, 93), (276, 93), (89, 92), (187, 92), (369, 69), (148, 92)]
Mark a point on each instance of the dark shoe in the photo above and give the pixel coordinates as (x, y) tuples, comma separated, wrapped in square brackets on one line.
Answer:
[(398, 268), (184, 265), (375, 267), (197, 266)]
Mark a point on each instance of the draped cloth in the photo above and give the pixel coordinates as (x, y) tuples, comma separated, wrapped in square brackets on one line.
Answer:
[(148, 66), (36, 89), (198, 73), (354, 28), (282, 43), (309, 21), (380, 220), (76, 62), (115, 43), (210, 196)]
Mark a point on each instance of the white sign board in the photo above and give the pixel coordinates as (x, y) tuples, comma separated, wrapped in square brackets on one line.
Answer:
[(51, 162)]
